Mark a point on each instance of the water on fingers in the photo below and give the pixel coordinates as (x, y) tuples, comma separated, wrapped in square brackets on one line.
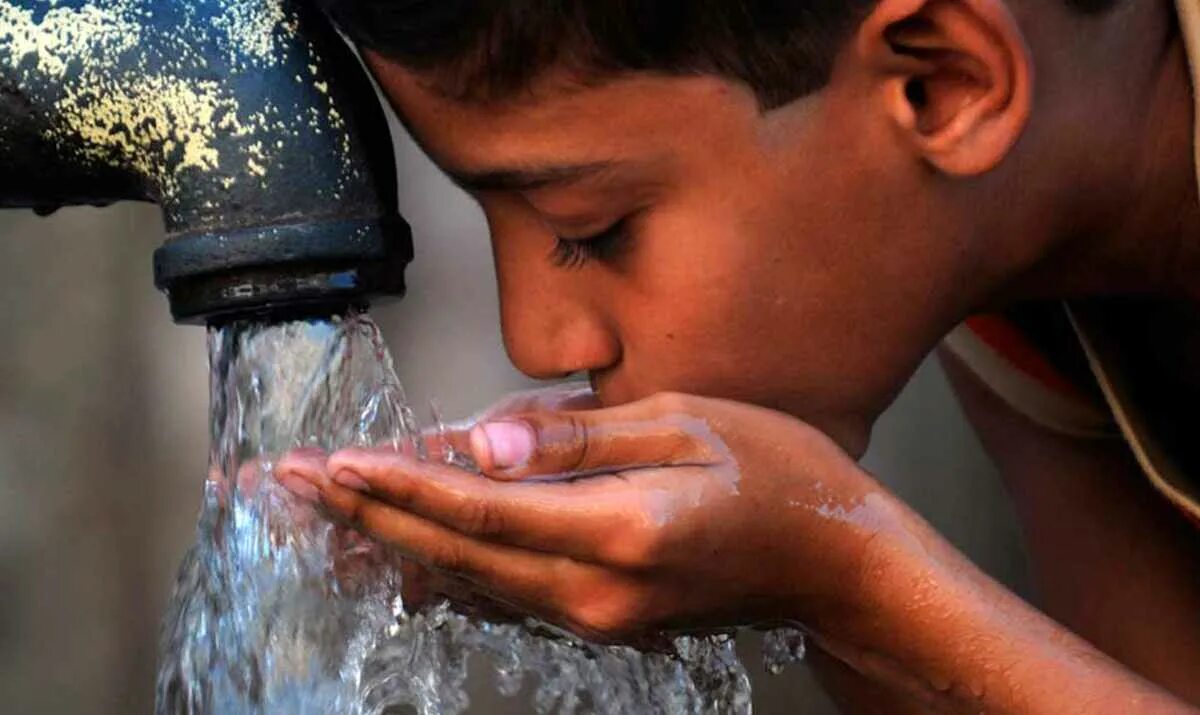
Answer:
[(276, 610)]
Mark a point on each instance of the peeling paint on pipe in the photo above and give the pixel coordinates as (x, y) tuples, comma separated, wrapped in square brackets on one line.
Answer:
[(249, 121)]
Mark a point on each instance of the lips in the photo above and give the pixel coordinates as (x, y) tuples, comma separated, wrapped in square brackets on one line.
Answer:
[(602, 386), (614, 389)]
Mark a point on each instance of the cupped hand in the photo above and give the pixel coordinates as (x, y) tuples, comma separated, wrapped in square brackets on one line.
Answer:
[(671, 513)]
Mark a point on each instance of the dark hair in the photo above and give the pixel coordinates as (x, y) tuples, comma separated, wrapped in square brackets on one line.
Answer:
[(481, 49), (1091, 7)]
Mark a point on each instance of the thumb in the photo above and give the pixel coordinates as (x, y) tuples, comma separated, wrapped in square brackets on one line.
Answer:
[(571, 444)]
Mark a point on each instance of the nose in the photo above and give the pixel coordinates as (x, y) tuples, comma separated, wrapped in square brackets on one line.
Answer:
[(552, 336), (554, 320)]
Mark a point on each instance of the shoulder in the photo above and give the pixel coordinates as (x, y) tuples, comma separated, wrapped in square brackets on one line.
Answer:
[(1101, 372), (1030, 360)]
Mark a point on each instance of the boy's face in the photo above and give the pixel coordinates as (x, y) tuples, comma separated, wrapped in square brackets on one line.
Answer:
[(785, 258)]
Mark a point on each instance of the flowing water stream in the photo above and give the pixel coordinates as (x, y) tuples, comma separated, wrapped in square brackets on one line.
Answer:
[(276, 610)]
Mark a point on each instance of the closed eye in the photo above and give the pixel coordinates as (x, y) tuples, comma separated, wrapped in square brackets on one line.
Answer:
[(575, 252)]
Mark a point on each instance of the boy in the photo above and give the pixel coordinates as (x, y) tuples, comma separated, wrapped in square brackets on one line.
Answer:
[(748, 221)]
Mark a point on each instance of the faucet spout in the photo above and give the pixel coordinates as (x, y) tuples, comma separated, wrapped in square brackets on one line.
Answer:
[(250, 122)]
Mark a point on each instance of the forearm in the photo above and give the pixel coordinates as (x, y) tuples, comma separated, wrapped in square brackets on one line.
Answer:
[(1109, 557), (932, 625)]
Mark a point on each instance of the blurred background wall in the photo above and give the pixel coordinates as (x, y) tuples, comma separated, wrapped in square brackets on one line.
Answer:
[(103, 440)]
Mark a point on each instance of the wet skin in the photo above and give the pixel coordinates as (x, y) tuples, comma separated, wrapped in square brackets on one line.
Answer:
[(747, 290)]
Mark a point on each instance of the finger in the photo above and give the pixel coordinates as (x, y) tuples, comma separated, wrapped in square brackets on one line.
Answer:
[(551, 587), (601, 520), (467, 597), (416, 589), (421, 586), (354, 558), (247, 474), (443, 444), (456, 436), (527, 579), (564, 396), (551, 444), (301, 471)]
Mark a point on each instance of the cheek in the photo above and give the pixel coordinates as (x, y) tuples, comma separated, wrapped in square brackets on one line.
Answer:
[(771, 300), (700, 307)]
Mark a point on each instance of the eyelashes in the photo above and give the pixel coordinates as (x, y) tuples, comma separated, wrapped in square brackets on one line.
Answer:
[(576, 252)]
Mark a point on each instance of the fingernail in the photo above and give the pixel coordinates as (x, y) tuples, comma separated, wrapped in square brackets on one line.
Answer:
[(510, 444), (350, 480), (302, 488)]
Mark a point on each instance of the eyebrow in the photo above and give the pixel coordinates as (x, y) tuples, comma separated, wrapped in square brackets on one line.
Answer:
[(528, 178)]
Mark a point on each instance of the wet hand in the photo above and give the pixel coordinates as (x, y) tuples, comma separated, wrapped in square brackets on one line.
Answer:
[(671, 513)]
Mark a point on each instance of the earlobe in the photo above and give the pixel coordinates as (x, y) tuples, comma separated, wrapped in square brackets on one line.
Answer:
[(954, 76)]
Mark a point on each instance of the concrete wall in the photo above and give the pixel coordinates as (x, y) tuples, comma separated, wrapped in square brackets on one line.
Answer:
[(103, 439)]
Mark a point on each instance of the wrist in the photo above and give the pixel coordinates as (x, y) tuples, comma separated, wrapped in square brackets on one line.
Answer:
[(849, 555), (881, 591)]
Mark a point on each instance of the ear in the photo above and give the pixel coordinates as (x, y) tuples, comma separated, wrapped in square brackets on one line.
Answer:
[(955, 77)]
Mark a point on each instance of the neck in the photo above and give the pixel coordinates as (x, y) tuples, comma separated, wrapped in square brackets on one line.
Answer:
[(1141, 231)]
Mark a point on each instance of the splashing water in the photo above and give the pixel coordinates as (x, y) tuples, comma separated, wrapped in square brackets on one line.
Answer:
[(276, 610), (783, 647)]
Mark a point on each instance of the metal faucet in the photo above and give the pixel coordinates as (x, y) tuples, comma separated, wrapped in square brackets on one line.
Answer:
[(250, 122)]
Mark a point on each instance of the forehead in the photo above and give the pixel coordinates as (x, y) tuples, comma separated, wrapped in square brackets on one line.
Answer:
[(561, 117)]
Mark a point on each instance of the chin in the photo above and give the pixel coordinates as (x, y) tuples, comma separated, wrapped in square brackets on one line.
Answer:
[(608, 393), (851, 432), (854, 442)]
